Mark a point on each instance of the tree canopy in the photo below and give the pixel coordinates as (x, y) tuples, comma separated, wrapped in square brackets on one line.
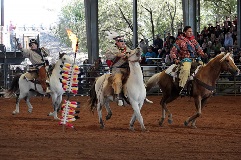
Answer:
[(154, 17)]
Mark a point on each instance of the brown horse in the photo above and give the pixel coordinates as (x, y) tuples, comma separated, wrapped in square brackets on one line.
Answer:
[(203, 85), (93, 72)]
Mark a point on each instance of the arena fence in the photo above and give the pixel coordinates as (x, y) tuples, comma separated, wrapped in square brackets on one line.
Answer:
[(226, 84)]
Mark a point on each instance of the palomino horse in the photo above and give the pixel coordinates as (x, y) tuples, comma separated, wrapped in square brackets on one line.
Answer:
[(203, 85), (134, 89), (28, 89)]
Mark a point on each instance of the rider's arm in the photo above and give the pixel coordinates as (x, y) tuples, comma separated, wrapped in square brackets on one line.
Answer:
[(26, 52), (199, 49), (173, 53)]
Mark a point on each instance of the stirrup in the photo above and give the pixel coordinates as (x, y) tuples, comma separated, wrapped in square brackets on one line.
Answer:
[(183, 93)]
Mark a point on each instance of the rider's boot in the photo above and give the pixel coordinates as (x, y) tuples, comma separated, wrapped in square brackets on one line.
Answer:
[(183, 92)]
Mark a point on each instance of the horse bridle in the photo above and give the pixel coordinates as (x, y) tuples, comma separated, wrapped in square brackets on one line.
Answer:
[(134, 60), (206, 86)]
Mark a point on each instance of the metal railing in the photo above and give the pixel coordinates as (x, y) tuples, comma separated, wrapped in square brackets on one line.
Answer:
[(226, 85)]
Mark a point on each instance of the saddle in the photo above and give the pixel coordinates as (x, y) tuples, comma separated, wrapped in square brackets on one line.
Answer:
[(174, 71), (123, 93), (32, 75)]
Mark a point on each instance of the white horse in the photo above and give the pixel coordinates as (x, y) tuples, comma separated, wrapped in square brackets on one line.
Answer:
[(28, 89), (102, 93)]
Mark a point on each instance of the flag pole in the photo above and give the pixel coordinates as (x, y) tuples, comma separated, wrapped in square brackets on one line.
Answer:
[(76, 49)]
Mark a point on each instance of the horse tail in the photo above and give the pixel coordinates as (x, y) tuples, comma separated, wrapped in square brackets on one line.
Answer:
[(14, 87), (153, 81), (93, 98)]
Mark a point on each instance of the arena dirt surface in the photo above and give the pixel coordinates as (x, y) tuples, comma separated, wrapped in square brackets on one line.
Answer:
[(37, 136)]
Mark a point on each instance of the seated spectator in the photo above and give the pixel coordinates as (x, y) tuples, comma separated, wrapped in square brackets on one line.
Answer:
[(143, 58), (150, 54)]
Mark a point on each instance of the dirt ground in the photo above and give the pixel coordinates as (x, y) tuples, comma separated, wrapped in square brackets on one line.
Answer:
[(37, 136)]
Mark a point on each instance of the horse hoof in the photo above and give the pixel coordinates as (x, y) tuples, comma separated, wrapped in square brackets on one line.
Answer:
[(102, 127), (50, 114), (108, 116), (170, 121), (161, 122), (193, 127), (15, 112), (144, 130), (186, 123), (132, 129)]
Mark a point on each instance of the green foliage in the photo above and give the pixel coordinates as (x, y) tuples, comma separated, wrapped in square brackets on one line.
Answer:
[(213, 11), (72, 17), (117, 15)]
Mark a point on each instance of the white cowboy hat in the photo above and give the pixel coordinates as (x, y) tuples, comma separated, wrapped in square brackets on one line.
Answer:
[(112, 35)]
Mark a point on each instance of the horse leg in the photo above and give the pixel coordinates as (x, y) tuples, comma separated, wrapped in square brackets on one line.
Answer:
[(133, 119), (138, 115), (54, 99), (30, 107), (27, 99), (203, 102), (163, 114), (197, 114), (107, 107), (21, 96), (99, 110), (57, 106), (164, 110), (16, 111)]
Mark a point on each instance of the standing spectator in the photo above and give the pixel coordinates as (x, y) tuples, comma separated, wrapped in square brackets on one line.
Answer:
[(228, 40), (216, 46), (11, 30), (143, 46), (218, 31), (168, 60), (158, 42)]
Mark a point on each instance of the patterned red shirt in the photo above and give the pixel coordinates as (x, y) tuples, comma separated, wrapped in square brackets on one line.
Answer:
[(186, 48)]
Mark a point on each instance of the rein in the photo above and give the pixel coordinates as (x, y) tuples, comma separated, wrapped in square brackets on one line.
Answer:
[(208, 87), (134, 60)]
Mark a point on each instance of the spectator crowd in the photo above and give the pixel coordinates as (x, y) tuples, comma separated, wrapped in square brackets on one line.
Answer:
[(212, 39)]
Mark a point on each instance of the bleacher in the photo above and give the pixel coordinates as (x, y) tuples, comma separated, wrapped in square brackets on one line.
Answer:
[(226, 85)]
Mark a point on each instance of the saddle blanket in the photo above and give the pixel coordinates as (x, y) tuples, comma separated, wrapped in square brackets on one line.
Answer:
[(173, 69)]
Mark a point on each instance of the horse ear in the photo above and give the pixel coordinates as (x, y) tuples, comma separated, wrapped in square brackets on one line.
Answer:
[(61, 55), (225, 56)]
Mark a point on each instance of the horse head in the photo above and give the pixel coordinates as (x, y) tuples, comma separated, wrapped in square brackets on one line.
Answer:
[(134, 55), (227, 64), (66, 58)]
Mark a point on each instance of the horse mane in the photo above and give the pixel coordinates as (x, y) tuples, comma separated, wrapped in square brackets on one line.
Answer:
[(51, 68)]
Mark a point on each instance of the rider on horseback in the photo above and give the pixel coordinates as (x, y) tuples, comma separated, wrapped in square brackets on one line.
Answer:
[(185, 47), (37, 56), (119, 65)]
